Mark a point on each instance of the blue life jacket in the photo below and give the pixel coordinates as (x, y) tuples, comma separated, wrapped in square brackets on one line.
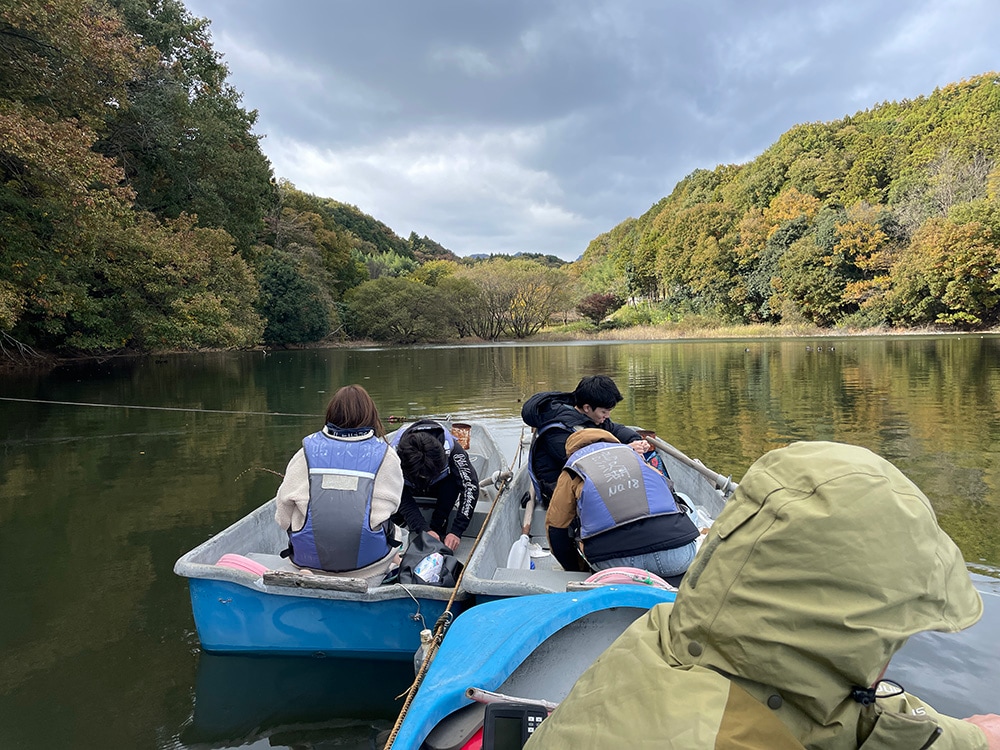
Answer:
[(337, 535), (432, 426), (619, 487)]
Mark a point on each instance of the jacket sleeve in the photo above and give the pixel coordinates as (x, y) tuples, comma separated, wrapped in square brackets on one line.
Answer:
[(558, 519), (955, 733), (624, 434), (388, 489), (412, 516), (463, 470), (562, 508), (292, 499)]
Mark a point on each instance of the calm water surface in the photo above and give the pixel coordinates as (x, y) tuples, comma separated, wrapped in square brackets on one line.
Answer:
[(97, 501)]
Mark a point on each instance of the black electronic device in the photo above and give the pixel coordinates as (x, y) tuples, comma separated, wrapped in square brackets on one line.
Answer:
[(507, 726)]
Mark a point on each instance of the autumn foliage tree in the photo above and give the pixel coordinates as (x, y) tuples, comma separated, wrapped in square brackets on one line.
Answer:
[(596, 307), (84, 266), (871, 218), (514, 297), (59, 199)]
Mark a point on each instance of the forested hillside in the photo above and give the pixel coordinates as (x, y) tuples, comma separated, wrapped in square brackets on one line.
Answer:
[(889, 216), (139, 213)]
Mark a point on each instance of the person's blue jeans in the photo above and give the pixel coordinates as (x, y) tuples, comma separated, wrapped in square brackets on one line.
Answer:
[(664, 562)]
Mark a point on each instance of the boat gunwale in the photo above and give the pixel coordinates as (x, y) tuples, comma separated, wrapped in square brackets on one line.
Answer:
[(193, 563)]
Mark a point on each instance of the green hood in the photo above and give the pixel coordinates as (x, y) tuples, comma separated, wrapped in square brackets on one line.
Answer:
[(826, 560)]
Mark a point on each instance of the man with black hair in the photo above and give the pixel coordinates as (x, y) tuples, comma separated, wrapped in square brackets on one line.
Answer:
[(611, 509), (435, 466), (555, 415)]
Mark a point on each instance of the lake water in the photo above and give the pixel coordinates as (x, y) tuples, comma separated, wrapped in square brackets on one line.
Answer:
[(110, 471)]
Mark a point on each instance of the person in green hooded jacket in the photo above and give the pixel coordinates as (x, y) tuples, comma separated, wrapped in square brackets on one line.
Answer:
[(823, 564)]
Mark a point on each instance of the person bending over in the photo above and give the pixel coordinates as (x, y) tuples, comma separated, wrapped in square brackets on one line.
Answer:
[(555, 415), (823, 564), (435, 466), (610, 508), (340, 490)]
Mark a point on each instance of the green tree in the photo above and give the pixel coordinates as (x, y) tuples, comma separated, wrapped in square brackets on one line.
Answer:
[(395, 310), (184, 141), (812, 282), (950, 273), (380, 265), (435, 271), (296, 307), (460, 303), (167, 285), (516, 297), (426, 250), (541, 292), (64, 61), (305, 222)]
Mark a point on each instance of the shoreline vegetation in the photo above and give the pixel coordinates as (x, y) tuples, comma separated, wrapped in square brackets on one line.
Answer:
[(141, 216), (28, 361)]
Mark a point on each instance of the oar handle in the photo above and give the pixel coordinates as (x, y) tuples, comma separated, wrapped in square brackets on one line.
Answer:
[(495, 478), (722, 483), (487, 696)]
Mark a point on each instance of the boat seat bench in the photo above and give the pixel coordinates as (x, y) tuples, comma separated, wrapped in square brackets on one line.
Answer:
[(273, 562), (554, 580)]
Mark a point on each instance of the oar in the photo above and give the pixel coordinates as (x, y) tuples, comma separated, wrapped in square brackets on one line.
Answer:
[(723, 483)]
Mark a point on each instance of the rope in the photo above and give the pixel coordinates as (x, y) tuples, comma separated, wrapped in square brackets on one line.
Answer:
[(157, 408), (446, 618)]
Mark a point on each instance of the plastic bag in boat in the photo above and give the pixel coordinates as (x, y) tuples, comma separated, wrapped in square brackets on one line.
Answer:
[(422, 557)]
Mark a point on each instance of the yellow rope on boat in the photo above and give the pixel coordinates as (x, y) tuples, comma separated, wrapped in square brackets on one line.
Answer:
[(445, 620)]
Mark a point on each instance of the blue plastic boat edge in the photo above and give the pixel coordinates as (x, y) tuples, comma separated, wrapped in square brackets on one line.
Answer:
[(513, 629), (231, 618)]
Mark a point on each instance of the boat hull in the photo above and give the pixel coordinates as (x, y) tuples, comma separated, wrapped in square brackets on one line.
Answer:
[(232, 618), (539, 646), (284, 611)]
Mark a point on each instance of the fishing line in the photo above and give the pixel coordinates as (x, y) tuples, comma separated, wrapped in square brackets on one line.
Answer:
[(160, 408)]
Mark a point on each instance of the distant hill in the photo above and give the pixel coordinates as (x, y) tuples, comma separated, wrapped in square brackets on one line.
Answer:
[(367, 228), (550, 261), (886, 216)]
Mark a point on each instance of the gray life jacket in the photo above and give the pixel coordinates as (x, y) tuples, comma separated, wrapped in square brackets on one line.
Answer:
[(618, 488), (337, 534)]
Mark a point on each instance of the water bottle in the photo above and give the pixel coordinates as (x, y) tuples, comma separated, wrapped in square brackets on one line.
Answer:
[(426, 636)]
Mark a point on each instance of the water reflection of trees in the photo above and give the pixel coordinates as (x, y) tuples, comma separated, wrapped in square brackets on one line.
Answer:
[(96, 504)]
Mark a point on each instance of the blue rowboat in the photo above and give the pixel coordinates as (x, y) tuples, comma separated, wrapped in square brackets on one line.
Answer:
[(284, 611)]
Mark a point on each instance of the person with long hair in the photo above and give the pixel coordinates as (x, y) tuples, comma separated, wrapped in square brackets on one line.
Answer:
[(340, 490)]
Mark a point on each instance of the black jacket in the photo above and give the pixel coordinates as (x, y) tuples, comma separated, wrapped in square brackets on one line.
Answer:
[(458, 490), (548, 453)]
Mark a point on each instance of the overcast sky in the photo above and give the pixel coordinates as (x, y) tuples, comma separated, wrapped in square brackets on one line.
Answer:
[(535, 125)]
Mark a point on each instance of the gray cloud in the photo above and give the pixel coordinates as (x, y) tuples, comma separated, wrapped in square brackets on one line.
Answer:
[(534, 125)]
